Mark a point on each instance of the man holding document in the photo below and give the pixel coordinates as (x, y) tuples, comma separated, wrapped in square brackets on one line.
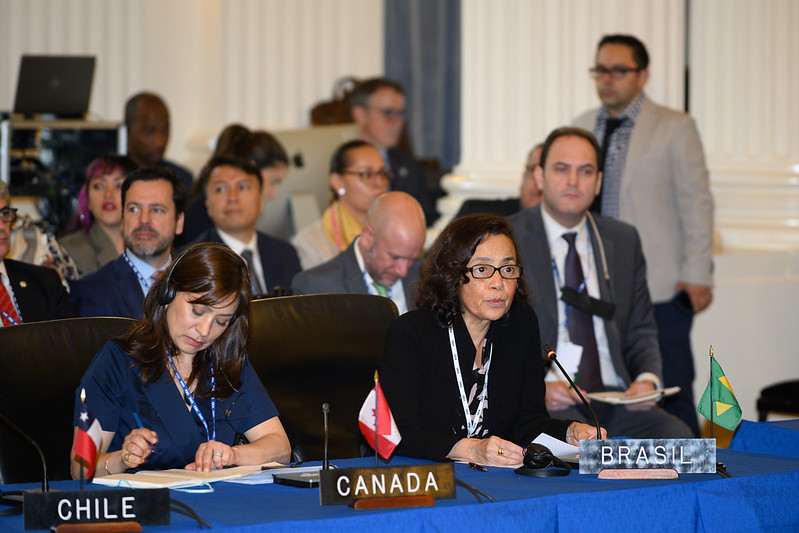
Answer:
[(588, 279)]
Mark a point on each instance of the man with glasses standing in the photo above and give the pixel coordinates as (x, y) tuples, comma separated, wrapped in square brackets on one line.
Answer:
[(28, 293), (587, 279), (656, 179), (377, 106), (383, 260)]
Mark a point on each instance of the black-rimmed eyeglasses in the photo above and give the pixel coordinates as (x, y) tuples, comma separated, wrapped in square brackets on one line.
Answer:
[(371, 175), (8, 214), (616, 73), (487, 271)]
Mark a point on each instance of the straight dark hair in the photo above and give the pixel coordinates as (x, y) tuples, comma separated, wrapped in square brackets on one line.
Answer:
[(219, 276)]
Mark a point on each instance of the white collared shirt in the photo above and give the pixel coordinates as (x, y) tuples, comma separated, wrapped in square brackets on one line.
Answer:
[(237, 246), (396, 292), (559, 248)]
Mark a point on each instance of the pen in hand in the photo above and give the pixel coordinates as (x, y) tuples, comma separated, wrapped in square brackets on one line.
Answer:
[(141, 426)]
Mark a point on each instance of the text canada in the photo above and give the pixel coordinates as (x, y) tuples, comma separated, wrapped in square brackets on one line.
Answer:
[(396, 484)]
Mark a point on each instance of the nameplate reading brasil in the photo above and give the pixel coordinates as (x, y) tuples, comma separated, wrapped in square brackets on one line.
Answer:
[(345, 485), (148, 507), (686, 456)]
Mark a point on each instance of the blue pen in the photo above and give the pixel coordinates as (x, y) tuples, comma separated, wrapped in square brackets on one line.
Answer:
[(141, 426)]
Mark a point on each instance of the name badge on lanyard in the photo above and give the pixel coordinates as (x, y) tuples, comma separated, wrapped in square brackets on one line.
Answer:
[(471, 422)]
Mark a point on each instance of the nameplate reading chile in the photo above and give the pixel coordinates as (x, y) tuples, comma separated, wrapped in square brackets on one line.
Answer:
[(686, 456), (148, 507), (345, 485)]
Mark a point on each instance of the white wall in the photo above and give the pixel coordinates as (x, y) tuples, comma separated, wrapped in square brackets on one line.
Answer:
[(261, 62)]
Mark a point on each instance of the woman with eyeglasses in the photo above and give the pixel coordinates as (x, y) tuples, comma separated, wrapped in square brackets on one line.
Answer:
[(464, 374), (178, 389), (357, 177)]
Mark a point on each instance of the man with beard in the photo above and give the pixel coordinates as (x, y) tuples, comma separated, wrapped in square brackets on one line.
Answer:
[(153, 201)]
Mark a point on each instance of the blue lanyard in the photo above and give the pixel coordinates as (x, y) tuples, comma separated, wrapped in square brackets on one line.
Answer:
[(193, 404), (145, 285)]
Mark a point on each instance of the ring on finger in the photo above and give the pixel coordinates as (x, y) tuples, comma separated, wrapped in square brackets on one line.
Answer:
[(126, 457), (500, 451), (217, 453)]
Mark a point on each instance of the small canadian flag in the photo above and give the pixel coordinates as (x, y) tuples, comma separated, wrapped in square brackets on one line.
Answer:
[(388, 436)]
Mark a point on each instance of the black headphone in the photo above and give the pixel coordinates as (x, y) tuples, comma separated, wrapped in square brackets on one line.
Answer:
[(537, 459), (168, 291)]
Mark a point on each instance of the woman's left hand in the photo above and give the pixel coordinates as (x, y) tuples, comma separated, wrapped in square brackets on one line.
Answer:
[(578, 431), (212, 455)]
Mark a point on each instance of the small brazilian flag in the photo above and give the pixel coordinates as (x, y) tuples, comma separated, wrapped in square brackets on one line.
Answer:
[(726, 411)]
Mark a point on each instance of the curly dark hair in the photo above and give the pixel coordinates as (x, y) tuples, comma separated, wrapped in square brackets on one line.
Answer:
[(443, 271), (218, 275)]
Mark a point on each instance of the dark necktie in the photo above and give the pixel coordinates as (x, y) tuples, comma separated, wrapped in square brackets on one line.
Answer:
[(581, 324), (610, 126), (254, 284), (8, 313)]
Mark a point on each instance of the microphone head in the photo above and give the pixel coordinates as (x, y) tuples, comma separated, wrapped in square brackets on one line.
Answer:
[(325, 407), (549, 351)]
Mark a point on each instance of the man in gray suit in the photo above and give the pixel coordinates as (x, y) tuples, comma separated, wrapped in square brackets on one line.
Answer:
[(616, 346), (383, 260), (655, 178)]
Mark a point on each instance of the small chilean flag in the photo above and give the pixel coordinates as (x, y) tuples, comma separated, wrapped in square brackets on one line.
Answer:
[(388, 435), (87, 441)]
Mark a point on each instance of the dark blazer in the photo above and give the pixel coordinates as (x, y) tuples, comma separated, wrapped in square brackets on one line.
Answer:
[(113, 290), (409, 176), (39, 292), (418, 379), (503, 208), (632, 332), (342, 275), (279, 259)]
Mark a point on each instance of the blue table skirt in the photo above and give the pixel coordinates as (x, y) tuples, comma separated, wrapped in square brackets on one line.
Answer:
[(781, 438), (762, 494)]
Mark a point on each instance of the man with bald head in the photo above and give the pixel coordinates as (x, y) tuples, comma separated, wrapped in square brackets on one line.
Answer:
[(147, 122), (383, 260)]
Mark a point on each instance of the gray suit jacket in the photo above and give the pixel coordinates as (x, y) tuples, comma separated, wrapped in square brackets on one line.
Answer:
[(342, 275), (632, 332), (665, 194)]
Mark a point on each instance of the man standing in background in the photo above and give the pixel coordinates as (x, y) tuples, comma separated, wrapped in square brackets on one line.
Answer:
[(656, 179), (147, 122)]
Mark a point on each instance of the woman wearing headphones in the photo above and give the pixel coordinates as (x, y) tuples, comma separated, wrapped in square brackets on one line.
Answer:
[(178, 391)]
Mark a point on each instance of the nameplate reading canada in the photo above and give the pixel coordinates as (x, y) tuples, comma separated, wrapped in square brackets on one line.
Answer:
[(148, 507), (345, 485), (686, 456)]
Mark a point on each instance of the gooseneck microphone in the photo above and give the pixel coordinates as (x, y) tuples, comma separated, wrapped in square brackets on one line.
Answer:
[(325, 411), (13, 426), (553, 357)]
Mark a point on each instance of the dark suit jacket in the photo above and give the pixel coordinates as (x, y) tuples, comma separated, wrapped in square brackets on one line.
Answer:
[(632, 332), (39, 292), (503, 208), (279, 259), (113, 290), (342, 275), (409, 176), (418, 379)]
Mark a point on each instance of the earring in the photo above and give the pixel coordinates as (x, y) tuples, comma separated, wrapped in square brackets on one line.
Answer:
[(341, 191)]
